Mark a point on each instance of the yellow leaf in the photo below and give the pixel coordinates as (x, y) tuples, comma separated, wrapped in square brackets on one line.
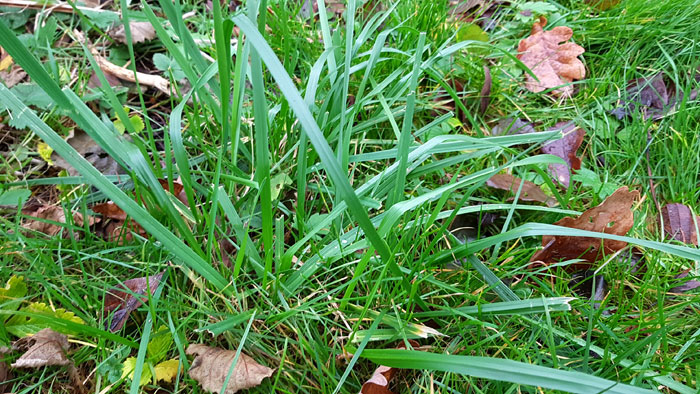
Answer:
[(167, 370), (45, 152), (5, 63)]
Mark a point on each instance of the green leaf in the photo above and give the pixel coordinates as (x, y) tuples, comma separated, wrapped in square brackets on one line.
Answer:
[(128, 371), (277, 183), (472, 32), (21, 325), (159, 345), (45, 152), (15, 289), (13, 198)]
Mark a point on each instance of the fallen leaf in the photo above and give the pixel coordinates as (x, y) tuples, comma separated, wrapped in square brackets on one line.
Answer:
[(109, 210), (178, 190), (123, 303), (529, 192), (13, 76), (554, 64), (5, 375), (602, 5), (167, 370), (582, 284), (485, 91), (140, 32), (650, 96), (211, 367), (91, 151), (55, 214), (679, 223), (509, 126), (382, 376), (687, 286), (612, 216), (46, 347), (565, 148)]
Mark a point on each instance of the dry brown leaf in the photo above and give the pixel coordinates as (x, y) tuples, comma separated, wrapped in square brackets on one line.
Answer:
[(565, 148), (679, 223), (47, 348), (124, 303), (12, 77), (382, 376), (554, 64), (211, 366), (140, 32), (687, 286), (485, 91), (529, 192), (5, 373), (612, 216), (53, 213), (91, 151)]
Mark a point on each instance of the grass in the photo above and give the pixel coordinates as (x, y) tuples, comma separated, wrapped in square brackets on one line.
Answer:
[(352, 251)]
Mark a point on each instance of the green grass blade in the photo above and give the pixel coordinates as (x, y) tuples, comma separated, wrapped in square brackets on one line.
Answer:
[(500, 369)]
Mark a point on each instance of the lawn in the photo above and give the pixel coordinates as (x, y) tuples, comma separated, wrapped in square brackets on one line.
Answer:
[(339, 197)]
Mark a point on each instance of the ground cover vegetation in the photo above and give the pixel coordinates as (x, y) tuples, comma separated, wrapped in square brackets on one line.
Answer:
[(340, 197)]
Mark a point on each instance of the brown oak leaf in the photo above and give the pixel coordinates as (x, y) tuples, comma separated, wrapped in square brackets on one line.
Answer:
[(554, 64), (529, 192), (612, 216), (211, 365), (565, 148)]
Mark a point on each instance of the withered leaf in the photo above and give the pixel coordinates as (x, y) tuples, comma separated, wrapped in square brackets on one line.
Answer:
[(13, 76), (678, 223), (124, 302), (650, 96), (140, 32), (687, 286), (612, 216), (53, 213), (382, 376), (91, 151), (509, 126), (554, 64), (485, 95), (211, 366), (565, 148), (109, 210), (46, 347), (529, 192)]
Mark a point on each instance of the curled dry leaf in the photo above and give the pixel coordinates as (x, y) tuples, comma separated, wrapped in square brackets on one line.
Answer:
[(140, 32), (679, 223), (529, 192), (612, 216), (53, 213), (123, 303), (565, 148), (211, 365), (554, 64)]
